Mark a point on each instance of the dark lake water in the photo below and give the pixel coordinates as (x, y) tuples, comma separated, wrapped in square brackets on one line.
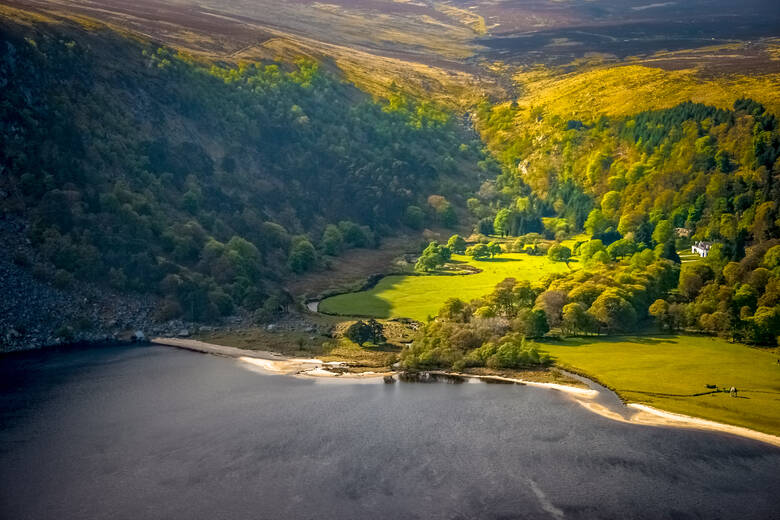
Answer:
[(154, 432)]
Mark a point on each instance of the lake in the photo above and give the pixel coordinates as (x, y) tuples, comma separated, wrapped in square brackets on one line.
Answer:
[(155, 432)]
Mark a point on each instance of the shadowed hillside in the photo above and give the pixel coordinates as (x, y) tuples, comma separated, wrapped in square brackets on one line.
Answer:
[(136, 166)]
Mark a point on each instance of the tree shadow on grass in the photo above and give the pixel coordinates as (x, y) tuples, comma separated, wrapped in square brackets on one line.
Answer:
[(663, 394), (385, 347), (363, 304), (498, 260), (645, 340), (582, 341)]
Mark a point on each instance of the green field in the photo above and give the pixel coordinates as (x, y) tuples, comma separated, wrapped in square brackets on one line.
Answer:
[(417, 297), (666, 372), (687, 257)]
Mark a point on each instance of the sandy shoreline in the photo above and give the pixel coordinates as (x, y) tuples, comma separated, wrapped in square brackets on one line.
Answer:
[(655, 417), (275, 363), (574, 390), (271, 362)]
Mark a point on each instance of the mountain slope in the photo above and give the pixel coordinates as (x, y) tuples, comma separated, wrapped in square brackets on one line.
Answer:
[(711, 170), (202, 183)]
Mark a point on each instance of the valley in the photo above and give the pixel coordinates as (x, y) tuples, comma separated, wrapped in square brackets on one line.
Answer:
[(379, 193), (417, 297)]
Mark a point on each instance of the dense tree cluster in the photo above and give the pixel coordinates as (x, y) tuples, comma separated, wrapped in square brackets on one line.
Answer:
[(604, 297), (711, 171), (481, 251), (642, 187), (479, 343), (739, 300), (207, 184)]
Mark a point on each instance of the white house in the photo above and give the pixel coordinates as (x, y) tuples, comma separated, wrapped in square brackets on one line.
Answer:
[(701, 248)]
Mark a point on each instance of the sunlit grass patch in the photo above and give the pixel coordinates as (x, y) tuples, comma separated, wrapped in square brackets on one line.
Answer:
[(672, 373), (686, 256), (418, 297)]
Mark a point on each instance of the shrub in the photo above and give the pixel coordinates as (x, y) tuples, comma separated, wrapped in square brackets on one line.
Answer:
[(414, 217), (65, 333), (168, 310), (559, 253), (332, 241), (302, 255), (479, 251), (63, 279)]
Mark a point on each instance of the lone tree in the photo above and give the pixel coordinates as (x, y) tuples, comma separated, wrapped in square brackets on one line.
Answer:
[(303, 256), (457, 244), (559, 253), (433, 257), (495, 249), (364, 331), (503, 222), (478, 251), (659, 309)]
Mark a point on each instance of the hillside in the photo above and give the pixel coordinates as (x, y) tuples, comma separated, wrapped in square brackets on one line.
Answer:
[(133, 165), (375, 45), (698, 166), (192, 167), (592, 90)]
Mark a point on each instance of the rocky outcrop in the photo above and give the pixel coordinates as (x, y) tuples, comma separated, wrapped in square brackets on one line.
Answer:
[(35, 313)]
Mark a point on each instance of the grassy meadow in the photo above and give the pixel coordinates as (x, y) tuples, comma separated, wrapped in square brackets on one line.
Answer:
[(686, 257), (417, 297), (672, 373)]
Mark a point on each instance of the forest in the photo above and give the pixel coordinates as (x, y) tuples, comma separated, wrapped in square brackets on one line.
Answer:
[(710, 171), (208, 184), (607, 295), (211, 184), (642, 188)]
